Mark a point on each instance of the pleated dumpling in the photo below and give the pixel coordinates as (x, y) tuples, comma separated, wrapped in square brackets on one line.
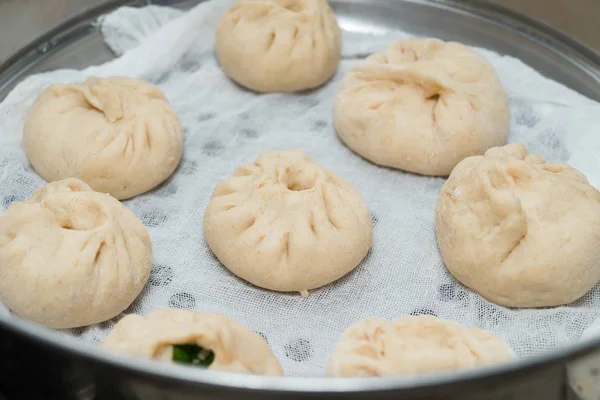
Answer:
[(119, 135), (286, 223), (201, 340), (422, 105), (520, 231), (413, 345), (279, 45), (70, 256)]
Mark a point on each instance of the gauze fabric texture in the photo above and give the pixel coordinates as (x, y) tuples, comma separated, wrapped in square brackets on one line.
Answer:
[(225, 126)]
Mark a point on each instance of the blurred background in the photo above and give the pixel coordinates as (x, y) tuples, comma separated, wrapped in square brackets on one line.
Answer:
[(26, 19)]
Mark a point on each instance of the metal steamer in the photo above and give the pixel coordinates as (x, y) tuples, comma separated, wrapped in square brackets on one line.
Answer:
[(82, 372)]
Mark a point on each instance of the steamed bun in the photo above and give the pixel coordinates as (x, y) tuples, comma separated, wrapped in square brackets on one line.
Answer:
[(279, 45), (286, 223), (413, 345), (119, 135), (70, 256), (422, 105), (520, 231), (234, 347)]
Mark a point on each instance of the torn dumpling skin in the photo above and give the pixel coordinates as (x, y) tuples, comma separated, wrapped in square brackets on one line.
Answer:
[(520, 231), (203, 340), (119, 135), (413, 345), (286, 223)]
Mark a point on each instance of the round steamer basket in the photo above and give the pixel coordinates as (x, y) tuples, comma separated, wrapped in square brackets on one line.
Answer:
[(41, 361)]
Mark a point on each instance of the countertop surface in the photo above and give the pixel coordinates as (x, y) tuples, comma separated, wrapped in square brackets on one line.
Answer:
[(26, 19), (578, 18)]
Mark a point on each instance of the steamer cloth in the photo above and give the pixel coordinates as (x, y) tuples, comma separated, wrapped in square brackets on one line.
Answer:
[(226, 126)]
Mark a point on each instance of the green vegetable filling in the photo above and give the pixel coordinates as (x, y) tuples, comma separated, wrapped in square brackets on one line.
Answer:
[(192, 354)]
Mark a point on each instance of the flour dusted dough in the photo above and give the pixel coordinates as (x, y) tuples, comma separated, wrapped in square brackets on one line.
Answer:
[(413, 345), (119, 135), (279, 45), (70, 256), (236, 348), (520, 231), (286, 223), (422, 105)]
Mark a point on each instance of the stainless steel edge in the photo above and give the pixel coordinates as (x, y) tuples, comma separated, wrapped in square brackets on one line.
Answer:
[(493, 380), (569, 51), (137, 376)]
